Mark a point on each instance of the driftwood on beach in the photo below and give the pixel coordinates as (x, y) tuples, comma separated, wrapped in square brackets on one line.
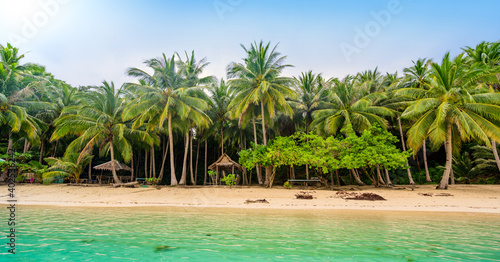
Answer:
[(84, 185), (129, 184)]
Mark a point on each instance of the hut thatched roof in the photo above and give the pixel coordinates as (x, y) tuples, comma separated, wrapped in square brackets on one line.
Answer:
[(118, 166), (225, 163)]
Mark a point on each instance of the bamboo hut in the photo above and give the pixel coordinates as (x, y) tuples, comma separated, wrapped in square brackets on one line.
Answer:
[(107, 166), (224, 163)]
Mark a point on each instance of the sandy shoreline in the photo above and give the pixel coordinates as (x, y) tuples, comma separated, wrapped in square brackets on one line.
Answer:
[(464, 198)]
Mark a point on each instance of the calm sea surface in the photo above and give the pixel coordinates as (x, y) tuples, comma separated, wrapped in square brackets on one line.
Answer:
[(197, 234)]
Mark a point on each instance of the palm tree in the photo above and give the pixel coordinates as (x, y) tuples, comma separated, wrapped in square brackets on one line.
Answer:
[(488, 55), (452, 109), (163, 97), (311, 96), (220, 96), (14, 89), (99, 122), (350, 104), (10, 69), (71, 165), (258, 81)]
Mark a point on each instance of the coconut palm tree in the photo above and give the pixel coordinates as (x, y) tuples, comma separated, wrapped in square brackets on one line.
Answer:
[(350, 104), (71, 165), (311, 95), (488, 55), (163, 97), (452, 109), (220, 96), (258, 81), (417, 77), (99, 122)]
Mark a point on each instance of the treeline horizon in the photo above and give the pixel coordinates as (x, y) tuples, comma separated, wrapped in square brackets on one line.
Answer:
[(174, 121)]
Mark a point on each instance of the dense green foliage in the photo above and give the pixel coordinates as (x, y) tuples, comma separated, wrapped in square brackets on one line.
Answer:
[(281, 127)]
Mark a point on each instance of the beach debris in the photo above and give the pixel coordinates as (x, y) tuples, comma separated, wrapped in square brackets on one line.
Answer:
[(366, 196), (444, 194), (129, 184), (426, 194), (303, 195), (344, 194), (163, 248), (248, 201)]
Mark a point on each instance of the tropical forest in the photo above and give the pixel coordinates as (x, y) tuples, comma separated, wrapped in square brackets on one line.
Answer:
[(435, 122)]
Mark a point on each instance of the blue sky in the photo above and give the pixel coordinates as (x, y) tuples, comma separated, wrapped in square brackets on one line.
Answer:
[(87, 41)]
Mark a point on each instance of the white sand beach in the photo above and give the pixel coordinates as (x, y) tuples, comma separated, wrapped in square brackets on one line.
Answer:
[(459, 198)]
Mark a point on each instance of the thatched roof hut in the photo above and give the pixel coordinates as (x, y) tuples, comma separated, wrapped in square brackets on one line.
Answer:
[(225, 163), (118, 166)]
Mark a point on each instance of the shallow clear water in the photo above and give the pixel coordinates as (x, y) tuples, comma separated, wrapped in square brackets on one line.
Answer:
[(196, 234)]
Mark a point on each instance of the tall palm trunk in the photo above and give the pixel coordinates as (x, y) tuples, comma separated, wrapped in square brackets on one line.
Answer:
[(160, 176), (206, 149), (410, 178), (184, 162), (42, 148), (196, 163), (27, 146), (221, 138), (10, 143), (449, 158), (191, 156), (307, 165), (267, 181), (427, 175), (259, 174), (152, 171), (90, 170), (495, 152), (146, 163), (173, 179), (113, 167)]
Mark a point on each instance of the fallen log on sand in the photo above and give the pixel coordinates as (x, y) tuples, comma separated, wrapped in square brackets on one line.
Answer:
[(129, 184), (248, 201)]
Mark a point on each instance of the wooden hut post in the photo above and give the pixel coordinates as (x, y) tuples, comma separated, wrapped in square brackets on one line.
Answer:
[(217, 176)]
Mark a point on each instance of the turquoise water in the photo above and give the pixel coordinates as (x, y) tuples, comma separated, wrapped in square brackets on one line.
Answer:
[(196, 234)]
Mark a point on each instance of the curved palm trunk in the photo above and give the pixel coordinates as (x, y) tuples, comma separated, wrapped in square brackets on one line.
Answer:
[(427, 175), (173, 179), (160, 176), (410, 178), (259, 175), (196, 163), (184, 162), (113, 167), (449, 158), (495, 152)]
